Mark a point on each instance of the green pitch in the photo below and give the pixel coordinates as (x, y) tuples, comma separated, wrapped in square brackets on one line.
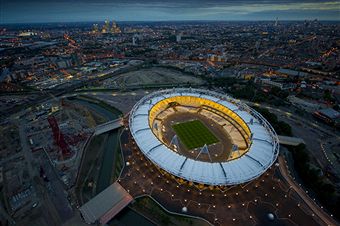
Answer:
[(194, 134)]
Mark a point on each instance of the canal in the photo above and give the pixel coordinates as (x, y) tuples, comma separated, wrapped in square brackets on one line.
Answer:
[(102, 152)]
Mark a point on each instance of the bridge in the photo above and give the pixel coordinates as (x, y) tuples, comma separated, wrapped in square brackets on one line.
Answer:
[(292, 141), (108, 126), (107, 204)]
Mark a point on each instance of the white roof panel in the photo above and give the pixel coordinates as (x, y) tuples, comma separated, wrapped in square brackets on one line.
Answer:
[(261, 154)]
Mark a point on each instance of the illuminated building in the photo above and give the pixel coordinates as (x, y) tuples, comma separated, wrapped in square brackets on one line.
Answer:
[(248, 143), (106, 27), (114, 28), (95, 28)]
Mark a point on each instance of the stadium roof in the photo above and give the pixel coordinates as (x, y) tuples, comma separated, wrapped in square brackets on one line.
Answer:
[(262, 153)]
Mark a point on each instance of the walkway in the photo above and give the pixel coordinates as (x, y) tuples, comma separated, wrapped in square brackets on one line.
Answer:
[(328, 220)]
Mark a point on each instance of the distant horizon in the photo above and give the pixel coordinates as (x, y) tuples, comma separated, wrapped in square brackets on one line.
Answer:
[(62, 11), (161, 21)]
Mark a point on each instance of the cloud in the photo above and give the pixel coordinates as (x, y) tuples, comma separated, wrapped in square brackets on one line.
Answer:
[(89, 10)]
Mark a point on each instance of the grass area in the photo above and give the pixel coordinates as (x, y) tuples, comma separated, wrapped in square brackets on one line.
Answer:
[(102, 104), (152, 210), (90, 158), (194, 134), (118, 165)]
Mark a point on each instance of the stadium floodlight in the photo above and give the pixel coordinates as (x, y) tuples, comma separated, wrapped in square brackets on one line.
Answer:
[(255, 143), (204, 150)]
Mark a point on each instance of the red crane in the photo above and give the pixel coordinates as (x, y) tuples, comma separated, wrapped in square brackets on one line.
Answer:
[(58, 136)]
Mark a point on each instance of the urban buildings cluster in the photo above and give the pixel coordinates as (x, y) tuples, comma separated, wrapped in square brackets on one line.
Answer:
[(61, 83)]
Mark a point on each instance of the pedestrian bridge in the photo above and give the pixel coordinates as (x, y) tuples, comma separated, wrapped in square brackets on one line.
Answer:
[(103, 207), (293, 141), (108, 126)]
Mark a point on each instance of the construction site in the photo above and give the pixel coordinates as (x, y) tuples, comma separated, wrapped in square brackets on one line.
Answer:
[(52, 137)]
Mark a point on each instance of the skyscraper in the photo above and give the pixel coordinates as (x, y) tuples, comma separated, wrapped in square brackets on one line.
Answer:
[(106, 27), (114, 28)]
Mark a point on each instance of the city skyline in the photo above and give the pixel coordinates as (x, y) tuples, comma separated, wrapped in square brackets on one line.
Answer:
[(172, 112), (19, 11)]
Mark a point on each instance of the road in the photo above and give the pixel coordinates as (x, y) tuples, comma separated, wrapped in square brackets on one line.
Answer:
[(328, 220), (3, 214), (313, 133), (294, 117), (45, 95), (25, 148)]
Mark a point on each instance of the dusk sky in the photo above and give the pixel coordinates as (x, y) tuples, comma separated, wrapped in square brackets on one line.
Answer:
[(26, 11)]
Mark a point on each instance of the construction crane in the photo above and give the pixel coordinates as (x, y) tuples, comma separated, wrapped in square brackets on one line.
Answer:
[(58, 136)]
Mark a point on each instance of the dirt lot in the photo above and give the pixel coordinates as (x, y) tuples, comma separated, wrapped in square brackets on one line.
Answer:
[(155, 75)]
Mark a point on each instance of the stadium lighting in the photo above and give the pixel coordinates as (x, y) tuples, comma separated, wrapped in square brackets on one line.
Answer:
[(215, 170)]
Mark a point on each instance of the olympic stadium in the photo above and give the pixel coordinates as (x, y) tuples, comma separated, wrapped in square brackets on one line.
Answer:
[(203, 137)]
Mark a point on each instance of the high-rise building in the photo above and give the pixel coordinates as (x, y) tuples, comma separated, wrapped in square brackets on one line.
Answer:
[(106, 27), (95, 28), (179, 37), (114, 28), (134, 39)]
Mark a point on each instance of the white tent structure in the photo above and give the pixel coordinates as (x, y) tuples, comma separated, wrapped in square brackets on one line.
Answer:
[(261, 154)]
